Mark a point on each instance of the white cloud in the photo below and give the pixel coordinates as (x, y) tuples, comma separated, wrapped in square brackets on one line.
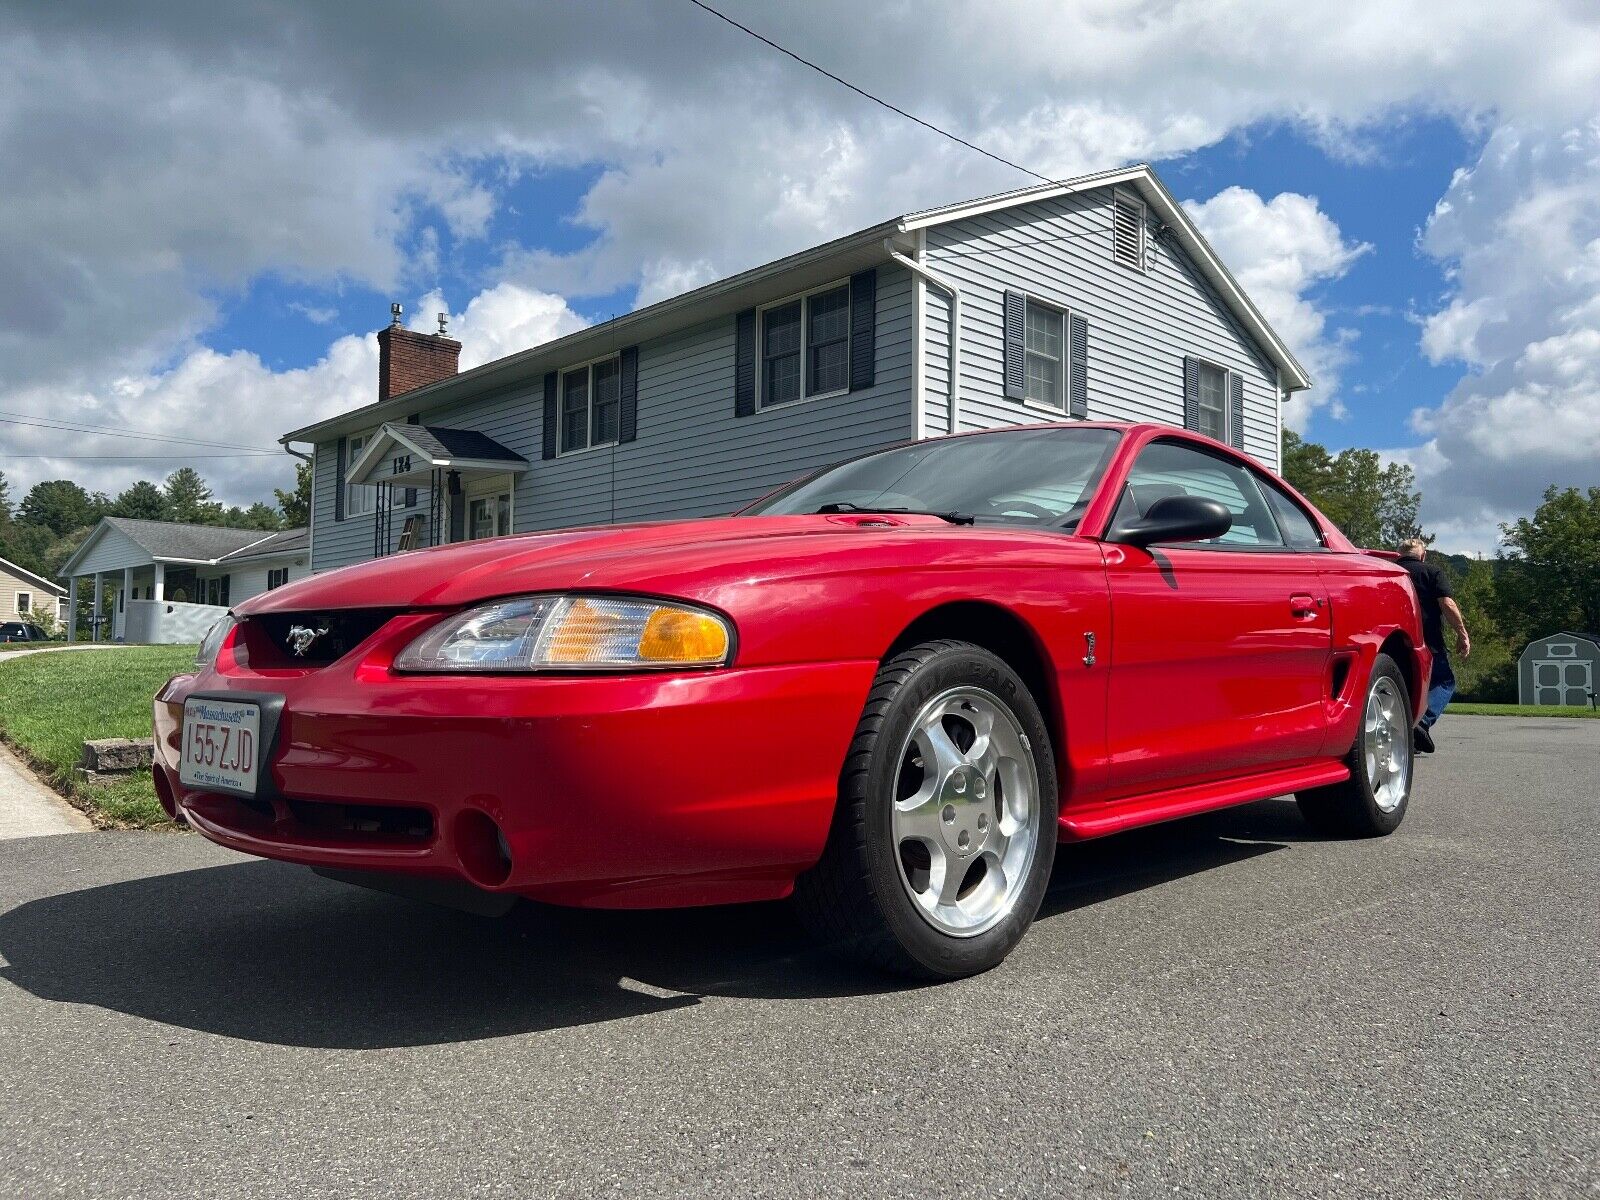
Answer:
[(1279, 250), (316, 315), (1520, 232)]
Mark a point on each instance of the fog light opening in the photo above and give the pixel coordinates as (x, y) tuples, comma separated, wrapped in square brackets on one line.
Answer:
[(482, 848)]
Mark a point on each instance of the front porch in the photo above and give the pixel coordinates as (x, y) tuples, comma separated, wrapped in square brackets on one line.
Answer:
[(465, 480)]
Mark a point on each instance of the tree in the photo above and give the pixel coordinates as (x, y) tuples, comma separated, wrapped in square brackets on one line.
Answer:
[(1551, 567), (296, 505), (143, 501), (1375, 505), (189, 498), (58, 505), (5, 501), (259, 515)]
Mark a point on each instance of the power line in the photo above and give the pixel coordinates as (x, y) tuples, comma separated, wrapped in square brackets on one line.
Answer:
[(868, 95), (136, 457), (148, 435)]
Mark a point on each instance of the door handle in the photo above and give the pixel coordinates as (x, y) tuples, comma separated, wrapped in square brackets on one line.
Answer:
[(1304, 607)]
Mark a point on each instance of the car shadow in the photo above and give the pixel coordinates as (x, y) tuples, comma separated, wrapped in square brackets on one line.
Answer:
[(269, 952)]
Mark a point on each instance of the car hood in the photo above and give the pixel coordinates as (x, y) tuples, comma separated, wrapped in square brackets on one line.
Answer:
[(677, 557)]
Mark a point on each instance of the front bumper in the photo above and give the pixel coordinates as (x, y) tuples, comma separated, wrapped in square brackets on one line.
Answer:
[(608, 791)]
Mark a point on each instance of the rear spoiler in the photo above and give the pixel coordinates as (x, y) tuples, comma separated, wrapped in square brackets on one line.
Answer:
[(1391, 555)]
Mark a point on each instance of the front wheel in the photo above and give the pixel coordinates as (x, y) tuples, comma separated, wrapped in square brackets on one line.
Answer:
[(1373, 801), (945, 831)]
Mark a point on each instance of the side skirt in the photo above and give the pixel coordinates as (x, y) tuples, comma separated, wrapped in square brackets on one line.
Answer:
[(1154, 807)]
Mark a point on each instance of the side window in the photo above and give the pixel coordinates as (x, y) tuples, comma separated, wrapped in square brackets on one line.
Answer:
[(1172, 469), (1298, 529)]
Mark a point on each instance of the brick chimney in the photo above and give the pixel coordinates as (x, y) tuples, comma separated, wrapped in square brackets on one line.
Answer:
[(408, 360)]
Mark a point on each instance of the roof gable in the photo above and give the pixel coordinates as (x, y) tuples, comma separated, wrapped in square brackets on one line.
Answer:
[(7, 567), (170, 541)]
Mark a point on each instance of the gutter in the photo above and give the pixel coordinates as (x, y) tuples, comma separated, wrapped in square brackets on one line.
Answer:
[(940, 283)]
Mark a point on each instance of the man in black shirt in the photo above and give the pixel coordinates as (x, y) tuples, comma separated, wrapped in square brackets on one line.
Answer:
[(1438, 606)]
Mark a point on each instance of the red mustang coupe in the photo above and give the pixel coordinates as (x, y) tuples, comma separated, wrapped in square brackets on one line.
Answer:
[(887, 689)]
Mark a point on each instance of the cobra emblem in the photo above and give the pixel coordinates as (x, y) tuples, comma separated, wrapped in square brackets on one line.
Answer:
[(302, 636)]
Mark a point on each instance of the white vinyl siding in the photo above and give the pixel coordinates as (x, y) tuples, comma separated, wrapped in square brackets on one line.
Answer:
[(1141, 325)]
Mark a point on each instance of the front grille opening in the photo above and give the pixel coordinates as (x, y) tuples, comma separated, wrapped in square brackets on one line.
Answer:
[(308, 639), (363, 821)]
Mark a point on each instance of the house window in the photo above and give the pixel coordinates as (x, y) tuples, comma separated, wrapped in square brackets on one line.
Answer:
[(1045, 349), (359, 499), (489, 516), (1213, 402), (805, 347), (24, 603), (591, 405), (277, 577), (1127, 230)]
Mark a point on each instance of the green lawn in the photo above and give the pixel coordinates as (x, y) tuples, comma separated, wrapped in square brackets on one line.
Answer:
[(1518, 710), (50, 704)]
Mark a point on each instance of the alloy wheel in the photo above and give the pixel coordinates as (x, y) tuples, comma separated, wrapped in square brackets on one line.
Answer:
[(1387, 742), (966, 811)]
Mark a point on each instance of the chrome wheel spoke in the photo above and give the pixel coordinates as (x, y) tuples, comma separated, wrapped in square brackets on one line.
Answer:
[(1386, 745)]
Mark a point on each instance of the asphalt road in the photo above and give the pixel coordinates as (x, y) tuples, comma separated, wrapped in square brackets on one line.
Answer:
[(1224, 1006)]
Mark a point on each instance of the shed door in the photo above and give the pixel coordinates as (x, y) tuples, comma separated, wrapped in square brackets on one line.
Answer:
[(1562, 681)]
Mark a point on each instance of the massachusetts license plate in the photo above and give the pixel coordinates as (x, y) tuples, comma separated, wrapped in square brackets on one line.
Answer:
[(221, 744)]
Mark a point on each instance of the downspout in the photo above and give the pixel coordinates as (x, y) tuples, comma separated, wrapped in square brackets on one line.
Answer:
[(951, 290)]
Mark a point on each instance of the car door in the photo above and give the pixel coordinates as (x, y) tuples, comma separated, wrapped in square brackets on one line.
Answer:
[(1219, 649)]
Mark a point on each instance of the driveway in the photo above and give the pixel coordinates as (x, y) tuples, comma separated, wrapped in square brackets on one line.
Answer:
[(1224, 1005)]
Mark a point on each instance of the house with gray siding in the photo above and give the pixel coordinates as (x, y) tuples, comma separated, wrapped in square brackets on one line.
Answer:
[(1092, 298)]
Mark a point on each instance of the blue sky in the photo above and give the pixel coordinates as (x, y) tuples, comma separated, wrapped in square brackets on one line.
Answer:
[(206, 213)]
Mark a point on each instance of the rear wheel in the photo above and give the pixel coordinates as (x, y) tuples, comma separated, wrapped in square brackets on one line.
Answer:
[(1373, 801), (945, 831)]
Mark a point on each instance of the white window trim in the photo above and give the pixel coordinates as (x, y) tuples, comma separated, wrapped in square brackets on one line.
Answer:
[(805, 317), (1133, 198), (1227, 401), (1066, 353), (24, 609), (368, 493), (588, 407)]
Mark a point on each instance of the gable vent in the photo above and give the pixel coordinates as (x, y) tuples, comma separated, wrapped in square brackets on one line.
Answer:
[(1127, 230)]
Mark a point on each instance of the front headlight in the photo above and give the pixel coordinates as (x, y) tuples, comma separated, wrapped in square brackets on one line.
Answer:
[(212, 643), (572, 633)]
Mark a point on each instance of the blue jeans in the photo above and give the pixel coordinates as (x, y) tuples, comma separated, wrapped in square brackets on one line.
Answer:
[(1441, 686)]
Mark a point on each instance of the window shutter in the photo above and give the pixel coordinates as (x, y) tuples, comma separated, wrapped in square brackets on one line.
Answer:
[(863, 329), (744, 365), (1236, 410), (548, 449), (1016, 371), (1191, 393), (410, 500), (338, 481), (1078, 361), (628, 417)]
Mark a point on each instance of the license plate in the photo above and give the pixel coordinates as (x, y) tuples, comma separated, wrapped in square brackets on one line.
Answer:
[(221, 745)]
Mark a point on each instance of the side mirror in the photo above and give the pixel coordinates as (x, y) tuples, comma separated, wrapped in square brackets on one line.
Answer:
[(1175, 519)]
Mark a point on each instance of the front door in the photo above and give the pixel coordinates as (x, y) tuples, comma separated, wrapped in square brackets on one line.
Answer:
[(488, 512), (1219, 649)]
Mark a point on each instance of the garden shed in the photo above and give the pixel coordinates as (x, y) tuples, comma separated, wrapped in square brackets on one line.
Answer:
[(1560, 668)]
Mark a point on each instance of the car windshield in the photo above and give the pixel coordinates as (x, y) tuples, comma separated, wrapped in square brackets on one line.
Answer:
[(1042, 477)]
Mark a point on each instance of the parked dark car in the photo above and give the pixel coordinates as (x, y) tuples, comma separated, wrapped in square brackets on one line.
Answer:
[(22, 631)]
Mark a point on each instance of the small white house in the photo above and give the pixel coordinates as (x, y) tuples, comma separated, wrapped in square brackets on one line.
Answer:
[(172, 581), (1559, 669)]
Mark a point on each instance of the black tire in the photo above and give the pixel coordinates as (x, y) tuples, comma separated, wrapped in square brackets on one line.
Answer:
[(854, 900), (1352, 808)]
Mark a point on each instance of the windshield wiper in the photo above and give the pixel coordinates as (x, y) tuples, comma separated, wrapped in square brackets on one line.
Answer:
[(846, 506)]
